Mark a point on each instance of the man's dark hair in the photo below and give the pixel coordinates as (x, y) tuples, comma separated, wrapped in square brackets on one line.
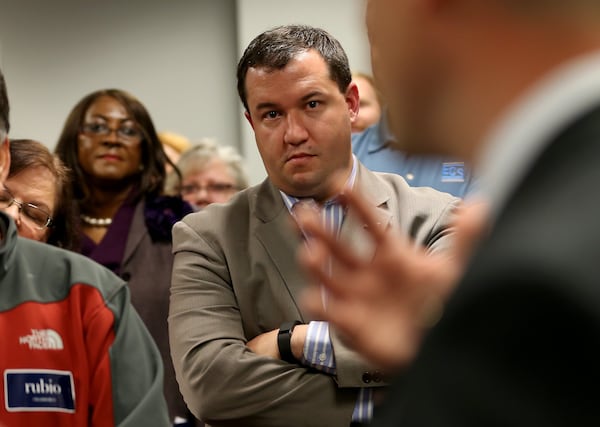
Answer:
[(4, 108), (275, 48)]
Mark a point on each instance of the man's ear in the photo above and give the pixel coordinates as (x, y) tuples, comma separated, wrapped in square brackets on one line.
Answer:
[(353, 100), (4, 159), (247, 116)]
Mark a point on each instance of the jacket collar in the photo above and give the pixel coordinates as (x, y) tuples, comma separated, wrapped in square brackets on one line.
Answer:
[(281, 241), (266, 202)]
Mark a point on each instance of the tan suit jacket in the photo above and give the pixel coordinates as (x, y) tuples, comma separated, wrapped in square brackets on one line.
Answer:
[(235, 276)]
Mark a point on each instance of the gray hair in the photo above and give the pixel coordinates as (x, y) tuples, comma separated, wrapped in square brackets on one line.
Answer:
[(199, 155)]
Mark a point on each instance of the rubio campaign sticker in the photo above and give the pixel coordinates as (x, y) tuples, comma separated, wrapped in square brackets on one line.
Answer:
[(39, 390)]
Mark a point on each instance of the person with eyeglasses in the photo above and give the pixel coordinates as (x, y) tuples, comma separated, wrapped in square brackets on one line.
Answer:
[(209, 174), (74, 351), (118, 163), (37, 195), (36, 217)]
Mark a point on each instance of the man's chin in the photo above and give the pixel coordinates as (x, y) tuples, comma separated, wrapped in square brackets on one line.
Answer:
[(302, 185)]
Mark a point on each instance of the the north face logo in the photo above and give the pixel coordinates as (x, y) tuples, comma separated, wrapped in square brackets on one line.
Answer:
[(43, 339)]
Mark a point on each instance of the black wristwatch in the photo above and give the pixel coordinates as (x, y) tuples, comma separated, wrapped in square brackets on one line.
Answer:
[(284, 341)]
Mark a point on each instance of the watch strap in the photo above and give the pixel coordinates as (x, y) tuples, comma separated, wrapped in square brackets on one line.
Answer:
[(284, 341)]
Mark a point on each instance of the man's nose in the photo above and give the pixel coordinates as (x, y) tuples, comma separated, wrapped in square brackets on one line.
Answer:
[(295, 131)]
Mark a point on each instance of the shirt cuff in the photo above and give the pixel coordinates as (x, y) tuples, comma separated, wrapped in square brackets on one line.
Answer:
[(318, 351)]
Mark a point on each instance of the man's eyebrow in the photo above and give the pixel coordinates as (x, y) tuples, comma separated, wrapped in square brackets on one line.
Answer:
[(311, 95), (274, 106), (267, 105)]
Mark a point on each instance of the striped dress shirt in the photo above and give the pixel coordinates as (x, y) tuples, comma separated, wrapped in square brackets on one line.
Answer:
[(318, 350)]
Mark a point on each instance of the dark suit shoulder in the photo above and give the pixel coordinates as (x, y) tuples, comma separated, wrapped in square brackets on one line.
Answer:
[(526, 316)]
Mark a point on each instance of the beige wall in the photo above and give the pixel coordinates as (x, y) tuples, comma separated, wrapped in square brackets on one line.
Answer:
[(177, 56)]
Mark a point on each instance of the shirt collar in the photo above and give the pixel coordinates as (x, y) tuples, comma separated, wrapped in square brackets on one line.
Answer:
[(534, 120)]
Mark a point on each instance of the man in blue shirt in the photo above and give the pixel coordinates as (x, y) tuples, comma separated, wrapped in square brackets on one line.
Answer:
[(374, 147)]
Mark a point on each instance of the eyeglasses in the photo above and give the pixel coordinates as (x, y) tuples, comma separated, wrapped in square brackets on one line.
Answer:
[(128, 133), (216, 187), (34, 216)]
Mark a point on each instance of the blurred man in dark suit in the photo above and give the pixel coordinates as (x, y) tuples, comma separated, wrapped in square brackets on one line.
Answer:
[(512, 86)]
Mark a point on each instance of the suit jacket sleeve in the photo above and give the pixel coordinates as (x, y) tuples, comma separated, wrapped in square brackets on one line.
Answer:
[(222, 381)]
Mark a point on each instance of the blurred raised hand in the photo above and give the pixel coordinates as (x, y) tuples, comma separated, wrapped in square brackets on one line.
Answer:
[(383, 305)]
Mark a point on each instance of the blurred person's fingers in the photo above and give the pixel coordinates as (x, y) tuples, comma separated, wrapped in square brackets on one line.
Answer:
[(471, 224), (355, 202), (322, 243)]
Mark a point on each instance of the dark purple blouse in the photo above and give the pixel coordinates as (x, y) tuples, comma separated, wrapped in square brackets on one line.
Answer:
[(111, 249)]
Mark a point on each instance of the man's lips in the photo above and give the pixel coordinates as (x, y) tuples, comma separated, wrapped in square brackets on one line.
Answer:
[(299, 156)]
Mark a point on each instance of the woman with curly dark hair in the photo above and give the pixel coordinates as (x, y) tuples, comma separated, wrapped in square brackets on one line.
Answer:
[(118, 163)]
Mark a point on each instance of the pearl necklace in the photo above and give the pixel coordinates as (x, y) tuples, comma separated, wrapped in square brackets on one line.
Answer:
[(96, 222)]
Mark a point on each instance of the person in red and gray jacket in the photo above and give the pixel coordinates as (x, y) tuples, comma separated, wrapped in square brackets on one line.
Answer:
[(74, 352)]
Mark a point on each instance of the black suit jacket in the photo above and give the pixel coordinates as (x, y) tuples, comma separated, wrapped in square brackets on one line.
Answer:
[(519, 344)]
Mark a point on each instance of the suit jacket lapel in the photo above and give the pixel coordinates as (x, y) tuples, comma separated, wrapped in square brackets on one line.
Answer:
[(276, 233), (353, 232)]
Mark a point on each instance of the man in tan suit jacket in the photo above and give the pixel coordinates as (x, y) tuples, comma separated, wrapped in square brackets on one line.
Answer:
[(235, 277)]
